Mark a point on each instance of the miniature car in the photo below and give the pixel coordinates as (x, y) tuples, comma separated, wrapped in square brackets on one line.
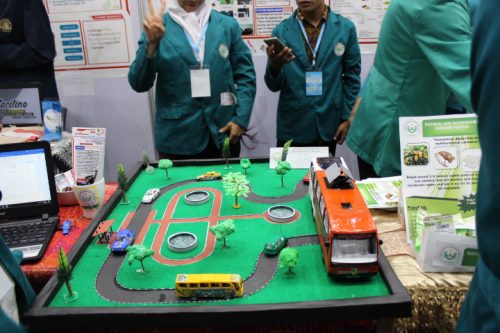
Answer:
[(66, 227), (275, 245), (305, 180), (211, 175), (150, 195), (124, 238)]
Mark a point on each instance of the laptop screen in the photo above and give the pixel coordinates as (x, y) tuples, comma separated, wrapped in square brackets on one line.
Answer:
[(27, 185)]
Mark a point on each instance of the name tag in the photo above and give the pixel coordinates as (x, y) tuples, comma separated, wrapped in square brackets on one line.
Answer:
[(200, 82), (314, 83)]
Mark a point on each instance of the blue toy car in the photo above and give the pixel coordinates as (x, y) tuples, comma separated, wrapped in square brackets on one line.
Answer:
[(124, 238), (66, 227)]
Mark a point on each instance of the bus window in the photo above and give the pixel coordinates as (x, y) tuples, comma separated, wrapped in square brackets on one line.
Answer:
[(353, 251), (326, 222), (216, 285), (203, 285), (193, 285), (183, 285), (236, 286), (226, 285)]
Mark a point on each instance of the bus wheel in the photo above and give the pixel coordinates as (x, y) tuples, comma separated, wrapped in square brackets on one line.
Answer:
[(229, 295)]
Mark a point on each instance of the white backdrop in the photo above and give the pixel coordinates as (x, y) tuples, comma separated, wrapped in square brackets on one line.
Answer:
[(104, 99)]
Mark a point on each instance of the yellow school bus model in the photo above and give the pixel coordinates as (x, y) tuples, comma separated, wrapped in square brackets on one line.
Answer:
[(196, 286)]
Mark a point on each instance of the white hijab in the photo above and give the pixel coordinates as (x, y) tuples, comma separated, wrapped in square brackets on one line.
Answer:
[(192, 23)]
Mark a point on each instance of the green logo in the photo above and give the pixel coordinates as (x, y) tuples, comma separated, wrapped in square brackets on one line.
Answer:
[(412, 128), (449, 255)]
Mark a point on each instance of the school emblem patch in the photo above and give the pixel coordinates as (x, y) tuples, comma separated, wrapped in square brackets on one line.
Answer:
[(339, 49), (223, 51), (5, 25)]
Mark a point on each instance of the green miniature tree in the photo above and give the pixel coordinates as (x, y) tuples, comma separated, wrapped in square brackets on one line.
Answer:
[(145, 162), (138, 252), (122, 183), (165, 164), (222, 230), (245, 164), (64, 274), (281, 169), (226, 151), (289, 257), (284, 152), (235, 184)]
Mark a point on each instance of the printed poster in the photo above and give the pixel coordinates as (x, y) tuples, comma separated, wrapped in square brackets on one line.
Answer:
[(440, 159)]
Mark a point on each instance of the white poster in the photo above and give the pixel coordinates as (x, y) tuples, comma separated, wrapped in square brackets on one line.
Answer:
[(440, 158), (91, 34)]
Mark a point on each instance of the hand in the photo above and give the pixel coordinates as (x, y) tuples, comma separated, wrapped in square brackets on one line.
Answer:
[(277, 60), (153, 26), (342, 131), (235, 131)]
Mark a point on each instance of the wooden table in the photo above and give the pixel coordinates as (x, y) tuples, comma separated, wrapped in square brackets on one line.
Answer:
[(436, 297)]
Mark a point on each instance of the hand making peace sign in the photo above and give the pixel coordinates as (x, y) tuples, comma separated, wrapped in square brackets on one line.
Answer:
[(153, 24)]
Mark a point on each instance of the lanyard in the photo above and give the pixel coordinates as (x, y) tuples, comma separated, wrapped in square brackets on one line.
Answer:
[(315, 51), (196, 45)]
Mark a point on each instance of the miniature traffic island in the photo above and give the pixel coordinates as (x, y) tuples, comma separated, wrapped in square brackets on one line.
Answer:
[(265, 253), (281, 213), (182, 242)]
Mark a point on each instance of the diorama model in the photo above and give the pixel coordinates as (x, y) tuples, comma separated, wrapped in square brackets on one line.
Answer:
[(124, 238), (196, 286), (346, 230)]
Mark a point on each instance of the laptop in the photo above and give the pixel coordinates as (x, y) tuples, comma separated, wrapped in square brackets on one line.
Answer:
[(20, 104), (28, 197)]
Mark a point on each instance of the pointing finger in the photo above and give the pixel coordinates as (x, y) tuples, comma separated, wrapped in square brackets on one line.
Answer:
[(163, 6), (151, 8)]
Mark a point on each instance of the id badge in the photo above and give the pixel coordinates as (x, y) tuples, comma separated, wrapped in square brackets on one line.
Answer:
[(200, 82), (314, 83)]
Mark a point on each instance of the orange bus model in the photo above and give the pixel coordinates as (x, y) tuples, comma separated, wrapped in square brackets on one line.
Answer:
[(346, 230)]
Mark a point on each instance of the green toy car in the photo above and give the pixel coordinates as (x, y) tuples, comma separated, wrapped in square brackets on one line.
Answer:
[(275, 245)]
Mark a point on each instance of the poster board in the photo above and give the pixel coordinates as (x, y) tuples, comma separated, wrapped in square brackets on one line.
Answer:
[(440, 158)]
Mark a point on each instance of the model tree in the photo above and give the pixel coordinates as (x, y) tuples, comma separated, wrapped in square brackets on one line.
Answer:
[(138, 252), (145, 162), (165, 164), (222, 230), (226, 151), (281, 169), (289, 257), (64, 274), (235, 184), (245, 164), (122, 183), (284, 152)]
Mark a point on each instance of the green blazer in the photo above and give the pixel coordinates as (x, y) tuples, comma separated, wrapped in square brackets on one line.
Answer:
[(422, 56), (307, 118), (183, 124), (480, 311)]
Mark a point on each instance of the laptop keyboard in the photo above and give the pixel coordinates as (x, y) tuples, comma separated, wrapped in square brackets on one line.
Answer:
[(28, 234)]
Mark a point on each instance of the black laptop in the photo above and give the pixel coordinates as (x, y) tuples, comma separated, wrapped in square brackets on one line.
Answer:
[(28, 197)]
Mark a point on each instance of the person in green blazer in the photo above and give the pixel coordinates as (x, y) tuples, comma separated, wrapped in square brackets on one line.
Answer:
[(24, 294), (481, 309), (205, 79), (317, 75), (422, 56)]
